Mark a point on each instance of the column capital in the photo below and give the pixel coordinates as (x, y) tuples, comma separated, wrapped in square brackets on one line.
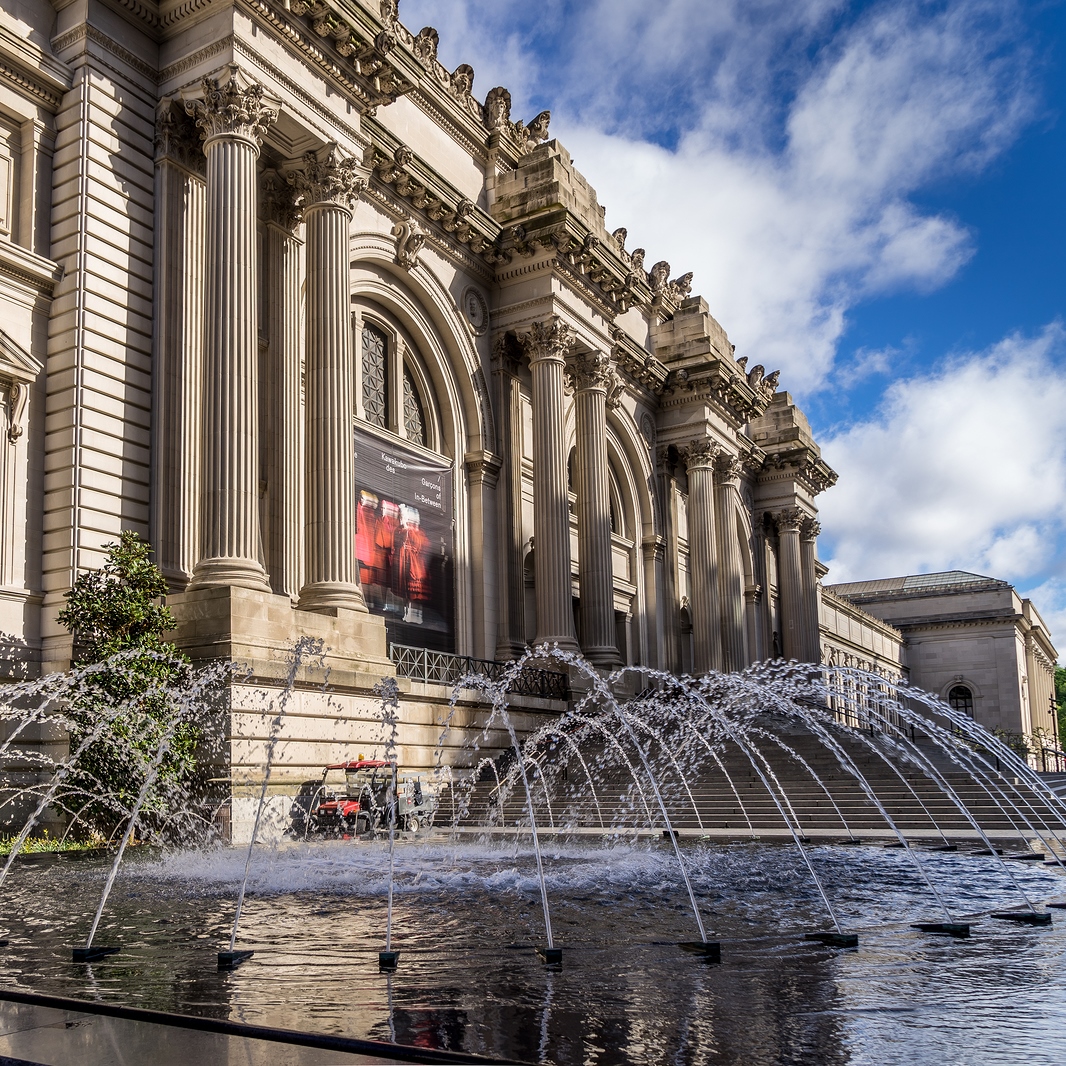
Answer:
[(727, 469), (653, 547), (700, 452), (549, 340), (810, 528), (591, 370), (331, 180), (789, 520), (232, 106), (279, 202), (177, 139), (482, 468)]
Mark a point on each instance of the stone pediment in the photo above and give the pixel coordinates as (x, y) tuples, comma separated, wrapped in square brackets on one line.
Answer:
[(16, 364)]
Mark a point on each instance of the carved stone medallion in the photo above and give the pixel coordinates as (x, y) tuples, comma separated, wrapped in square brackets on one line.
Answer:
[(476, 310)]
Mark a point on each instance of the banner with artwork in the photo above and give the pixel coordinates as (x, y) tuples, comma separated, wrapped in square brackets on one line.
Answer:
[(403, 541)]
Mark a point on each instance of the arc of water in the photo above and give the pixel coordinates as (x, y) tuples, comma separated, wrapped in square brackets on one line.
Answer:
[(793, 754), (670, 755), (588, 775), (613, 740), (544, 788), (389, 692), (305, 647)]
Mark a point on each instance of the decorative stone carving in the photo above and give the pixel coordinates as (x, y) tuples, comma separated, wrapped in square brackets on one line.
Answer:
[(18, 393), (279, 202), (476, 310), (463, 79), (728, 468), (789, 520), (331, 179), (537, 130), (235, 107), (497, 108), (176, 138), (662, 287), (425, 45), (591, 370), (548, 340), (699, 452), (810, 528), (390, 10), (619, 236), (409, 241)]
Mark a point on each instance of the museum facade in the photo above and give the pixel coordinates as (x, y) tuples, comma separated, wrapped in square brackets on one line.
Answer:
[(358, 355)]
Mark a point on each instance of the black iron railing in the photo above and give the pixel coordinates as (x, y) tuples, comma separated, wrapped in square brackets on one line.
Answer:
[(444, 668)]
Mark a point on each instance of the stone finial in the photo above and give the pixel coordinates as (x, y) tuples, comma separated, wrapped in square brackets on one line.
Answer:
[(463, 79), (789, 520), (700, 452), (728, 468), (548, 340), (232, 107), (331, 179), (497, 108), (425, 45)]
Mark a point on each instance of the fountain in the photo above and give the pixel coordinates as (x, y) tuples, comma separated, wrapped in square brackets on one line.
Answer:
[(760, 804)]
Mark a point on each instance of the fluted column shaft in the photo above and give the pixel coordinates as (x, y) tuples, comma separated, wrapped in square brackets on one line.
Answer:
[(546, 345), (232, 118), (327, 186), (703, 558), (592, 377), (283, 445), (809, 530), (512, 537), (790, 584), (730, 569)]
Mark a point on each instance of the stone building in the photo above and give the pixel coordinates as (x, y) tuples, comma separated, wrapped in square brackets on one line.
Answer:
[(358, 354), (971, 640)]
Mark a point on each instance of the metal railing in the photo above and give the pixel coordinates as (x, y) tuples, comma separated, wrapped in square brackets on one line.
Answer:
[(444, 668)]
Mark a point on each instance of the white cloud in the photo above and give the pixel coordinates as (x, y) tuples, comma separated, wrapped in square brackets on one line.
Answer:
[(962, 468), (798, 132)]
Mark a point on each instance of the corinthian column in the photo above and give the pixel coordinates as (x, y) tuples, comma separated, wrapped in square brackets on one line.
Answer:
[(327, 188), (730, 571), (699, 457), (232, 118), (546, 345), (593, 376), (809, 530), (790, 584)]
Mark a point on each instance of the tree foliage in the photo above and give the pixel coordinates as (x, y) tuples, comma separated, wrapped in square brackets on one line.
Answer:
[(117, 618)]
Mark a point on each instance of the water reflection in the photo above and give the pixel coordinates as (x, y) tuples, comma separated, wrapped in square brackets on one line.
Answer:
[(467, 918)]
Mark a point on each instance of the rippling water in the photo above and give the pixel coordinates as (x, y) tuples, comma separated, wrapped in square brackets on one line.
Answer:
[(468, 916)]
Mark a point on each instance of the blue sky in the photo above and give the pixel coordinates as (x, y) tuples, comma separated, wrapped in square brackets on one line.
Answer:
[(871, 196)]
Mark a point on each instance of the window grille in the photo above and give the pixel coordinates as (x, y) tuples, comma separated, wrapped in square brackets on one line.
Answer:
[(413, 418), (375, 407), (960, 698)]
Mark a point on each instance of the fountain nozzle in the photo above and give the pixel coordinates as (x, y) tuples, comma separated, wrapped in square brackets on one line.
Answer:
[(388, 961)]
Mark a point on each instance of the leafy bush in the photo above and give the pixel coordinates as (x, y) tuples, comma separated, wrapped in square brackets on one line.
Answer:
[(116, 617)]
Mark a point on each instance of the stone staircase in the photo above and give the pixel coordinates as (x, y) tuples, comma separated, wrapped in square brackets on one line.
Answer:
[(733, 800)]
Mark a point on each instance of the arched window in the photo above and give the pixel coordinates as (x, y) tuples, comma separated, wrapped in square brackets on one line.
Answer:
[(960, 698), (414, 419), (375, 376)]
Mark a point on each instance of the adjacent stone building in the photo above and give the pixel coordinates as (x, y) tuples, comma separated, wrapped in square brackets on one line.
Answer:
[(352, 345)]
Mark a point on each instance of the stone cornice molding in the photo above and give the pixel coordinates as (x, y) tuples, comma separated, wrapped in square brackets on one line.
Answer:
[(233, 106), (327, 179), (549, 340), (723, 383), (640, 365), (32, 70), (17, 370), (802, 465)]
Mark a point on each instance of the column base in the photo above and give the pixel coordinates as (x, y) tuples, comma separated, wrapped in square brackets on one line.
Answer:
[(566, 642), (605, 657), (327, 595), (229, 573)]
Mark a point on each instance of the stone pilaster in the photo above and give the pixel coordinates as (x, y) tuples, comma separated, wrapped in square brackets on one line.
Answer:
[(232, 117), (730, 568), (699, 458), (790, 584), (327, 187), (283, 430), (653, 551), (593, 378), (809, 530), (483, 472), (546, 345), (512, 637), (178, 348)]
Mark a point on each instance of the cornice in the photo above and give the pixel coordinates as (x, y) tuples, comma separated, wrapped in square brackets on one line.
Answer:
[(637, 363), (28, 268), (32, 69), (91, 33), (802, 464)]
